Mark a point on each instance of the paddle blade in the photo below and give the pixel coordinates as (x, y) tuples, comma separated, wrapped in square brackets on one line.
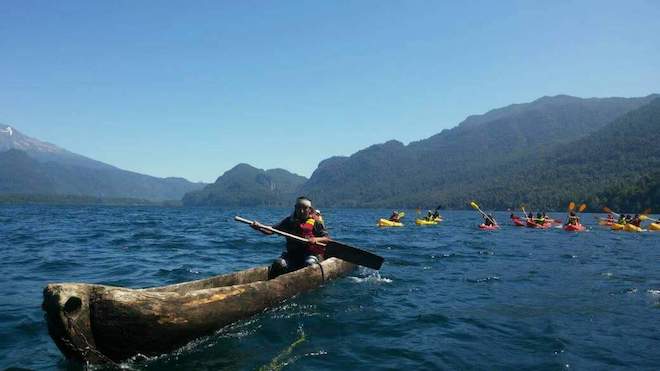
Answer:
[(646, 211), (571, 206), (582, 207), (608, 210), (643, 217), (474, 205), (353, 255)]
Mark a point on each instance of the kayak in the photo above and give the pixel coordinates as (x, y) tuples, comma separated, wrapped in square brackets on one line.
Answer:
[(389, 223), (532, 224), (101, 324), (488, 227), (604, 221), (617, 227), (574, 227), (427, 222), (654, 227), (517, 222), (632, 228)]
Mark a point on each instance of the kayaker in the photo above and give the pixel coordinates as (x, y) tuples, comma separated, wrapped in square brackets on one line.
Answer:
[(429, 215), (622, 219), (547, 218), (298, 254), (636, 221), (436, 214), (530, 216), (489, 220), (540, 220), (573, 218), (395, 217)]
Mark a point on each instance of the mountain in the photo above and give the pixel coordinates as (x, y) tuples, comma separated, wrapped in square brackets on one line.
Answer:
[(32, 167), (10, 138), (504, 156), (244, 185)]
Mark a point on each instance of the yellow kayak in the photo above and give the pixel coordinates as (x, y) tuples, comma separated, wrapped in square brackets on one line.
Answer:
[(618, 227), (389, 223), (427, 222), (654, 227), (632, 228)]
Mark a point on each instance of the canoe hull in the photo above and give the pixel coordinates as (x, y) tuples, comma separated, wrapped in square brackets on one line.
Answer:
[(103, 324)]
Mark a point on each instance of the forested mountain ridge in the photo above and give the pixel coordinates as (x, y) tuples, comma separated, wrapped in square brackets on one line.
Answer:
[(484, 156), (245, 185)]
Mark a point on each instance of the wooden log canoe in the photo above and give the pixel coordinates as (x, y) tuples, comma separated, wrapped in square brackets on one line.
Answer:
[(104, 324)]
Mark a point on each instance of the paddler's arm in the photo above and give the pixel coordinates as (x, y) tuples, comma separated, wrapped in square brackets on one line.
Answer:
[(321, 235), (260, 227), (315, 240)]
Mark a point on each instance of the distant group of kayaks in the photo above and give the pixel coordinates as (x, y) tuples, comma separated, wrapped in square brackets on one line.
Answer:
[(432, 218), (541, 221), (620, 222)]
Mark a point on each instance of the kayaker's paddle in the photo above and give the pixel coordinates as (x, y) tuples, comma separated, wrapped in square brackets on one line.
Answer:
[(476, 207), (646, 217), (609, 211), (332, 248), (525, 212), (582, 208)]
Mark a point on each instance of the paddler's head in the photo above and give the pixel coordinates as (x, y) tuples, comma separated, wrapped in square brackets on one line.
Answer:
[(572, 213), (303, 208)]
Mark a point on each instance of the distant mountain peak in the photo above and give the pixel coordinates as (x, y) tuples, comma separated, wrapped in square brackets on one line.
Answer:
[(30, 166), (10, 138), (8, 130)]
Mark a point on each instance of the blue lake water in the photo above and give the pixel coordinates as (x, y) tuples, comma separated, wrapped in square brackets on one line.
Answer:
[(448, 297)]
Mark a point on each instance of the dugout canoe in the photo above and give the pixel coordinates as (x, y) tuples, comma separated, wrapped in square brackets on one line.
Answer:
[(103, 324)]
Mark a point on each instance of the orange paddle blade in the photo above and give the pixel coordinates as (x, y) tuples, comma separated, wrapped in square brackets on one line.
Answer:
[(571, 206), (582, 207)]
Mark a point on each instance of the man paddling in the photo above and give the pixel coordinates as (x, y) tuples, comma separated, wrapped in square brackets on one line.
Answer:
[(298, 254)]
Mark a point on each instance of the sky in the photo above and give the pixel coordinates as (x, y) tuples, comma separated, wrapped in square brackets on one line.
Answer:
[(192, 88)]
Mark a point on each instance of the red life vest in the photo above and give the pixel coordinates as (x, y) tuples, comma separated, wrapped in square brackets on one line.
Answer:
[(307, 231)]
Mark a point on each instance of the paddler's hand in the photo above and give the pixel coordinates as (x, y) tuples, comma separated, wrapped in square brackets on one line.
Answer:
[(312, 240), (256, 225)]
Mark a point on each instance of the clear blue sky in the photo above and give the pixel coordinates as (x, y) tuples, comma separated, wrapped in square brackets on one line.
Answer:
[(191, 88)]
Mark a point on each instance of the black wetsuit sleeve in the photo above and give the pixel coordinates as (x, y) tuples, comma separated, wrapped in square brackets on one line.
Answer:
[(319, 230), (284, 225)]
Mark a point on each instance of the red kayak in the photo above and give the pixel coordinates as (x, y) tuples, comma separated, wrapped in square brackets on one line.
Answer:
[(531, 224), (574, 227), (517, 222), (488, 227)]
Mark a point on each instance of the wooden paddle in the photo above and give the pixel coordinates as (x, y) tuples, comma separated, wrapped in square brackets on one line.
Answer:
[(332, 248), (475, 206)]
